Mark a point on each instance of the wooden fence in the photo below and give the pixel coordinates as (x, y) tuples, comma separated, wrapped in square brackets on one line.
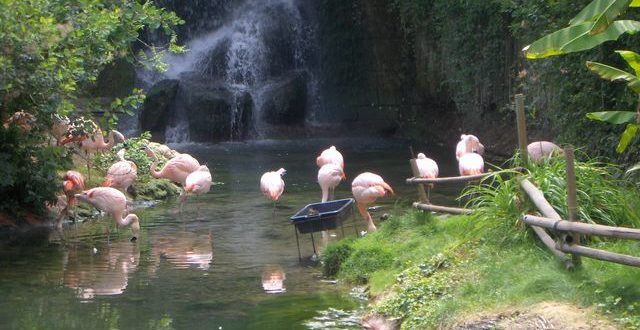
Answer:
[(567, 232)]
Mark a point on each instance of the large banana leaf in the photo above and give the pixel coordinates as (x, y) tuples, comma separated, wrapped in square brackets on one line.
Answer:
[(629, 133), (632, 58), (613, 117), (601, 13), (576, 38), (611, 73)]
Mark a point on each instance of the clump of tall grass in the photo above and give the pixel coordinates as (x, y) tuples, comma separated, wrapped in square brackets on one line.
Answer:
[(602, 196)]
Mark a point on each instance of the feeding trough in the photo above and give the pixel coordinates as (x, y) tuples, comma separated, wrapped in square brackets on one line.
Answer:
[(321, 216)]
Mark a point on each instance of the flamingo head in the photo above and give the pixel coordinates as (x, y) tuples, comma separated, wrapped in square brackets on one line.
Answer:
[(282, 171), (421, 156), (73, 181)]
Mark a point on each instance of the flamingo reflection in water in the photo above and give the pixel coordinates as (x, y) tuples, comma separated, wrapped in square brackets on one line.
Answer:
[(183, 249), (273, 278), (102, 271)]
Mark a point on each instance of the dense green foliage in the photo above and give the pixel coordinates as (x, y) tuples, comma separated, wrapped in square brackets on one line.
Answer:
[(603, 198), (52, 52), (476, 47)]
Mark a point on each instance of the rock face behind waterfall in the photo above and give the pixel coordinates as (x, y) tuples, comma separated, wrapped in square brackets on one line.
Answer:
[(156, 107), (285, 100), (212, 111)]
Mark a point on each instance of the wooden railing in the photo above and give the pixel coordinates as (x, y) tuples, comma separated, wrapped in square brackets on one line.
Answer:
[(567, 232)]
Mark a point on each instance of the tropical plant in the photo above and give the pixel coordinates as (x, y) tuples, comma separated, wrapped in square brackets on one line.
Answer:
[(594, 25), (52, 52)]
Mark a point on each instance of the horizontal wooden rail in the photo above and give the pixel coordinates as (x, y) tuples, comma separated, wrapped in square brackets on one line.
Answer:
[(465, 178), (601, 255), (438, 208), (582, 228)]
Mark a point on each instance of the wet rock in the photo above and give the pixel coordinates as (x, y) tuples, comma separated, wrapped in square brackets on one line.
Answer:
[(156, 189), (285, 100), (156, 108), (213, 111)]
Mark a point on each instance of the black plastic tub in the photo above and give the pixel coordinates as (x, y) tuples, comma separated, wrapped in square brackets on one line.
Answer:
[(322, 216)]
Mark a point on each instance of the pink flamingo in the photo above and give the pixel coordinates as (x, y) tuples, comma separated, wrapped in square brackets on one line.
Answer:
[(471, 163), (539, 150), (176, 169), (330, 156), (73, 183), (22, 119), (366, 188), (468, 143), (427, 167), (272, 185), (93, 143), (197, 183), (114, 202), (121, 174), (329, 177)]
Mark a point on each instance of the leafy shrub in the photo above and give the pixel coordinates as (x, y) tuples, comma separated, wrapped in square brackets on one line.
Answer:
[(28, 172), (363, 262), (603, 198), (334, 256)]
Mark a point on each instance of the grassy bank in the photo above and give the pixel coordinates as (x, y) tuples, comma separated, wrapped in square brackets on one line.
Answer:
[(432, 272)]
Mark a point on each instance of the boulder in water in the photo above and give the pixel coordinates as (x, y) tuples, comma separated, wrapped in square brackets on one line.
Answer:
[(156, 107), (285, 100)]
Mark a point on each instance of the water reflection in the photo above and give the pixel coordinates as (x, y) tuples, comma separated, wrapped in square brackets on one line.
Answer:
[(183, 249), (100, 272), (273, 278)]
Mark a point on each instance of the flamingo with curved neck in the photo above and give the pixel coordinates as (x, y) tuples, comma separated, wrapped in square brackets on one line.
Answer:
[(176, 169), (113, 202), (366, 188)]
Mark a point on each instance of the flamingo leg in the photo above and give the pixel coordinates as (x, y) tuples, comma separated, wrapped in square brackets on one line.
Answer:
[(367, 217)]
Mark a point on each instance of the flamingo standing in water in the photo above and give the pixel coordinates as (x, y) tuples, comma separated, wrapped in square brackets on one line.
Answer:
[(330, 156), (113, 202), (176, 169), (329, 177), (121, 174), (366, 188), (272, 185), (73, 183), (468, 143), (197, 183)]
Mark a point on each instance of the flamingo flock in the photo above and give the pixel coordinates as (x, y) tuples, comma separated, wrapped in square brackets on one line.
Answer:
[(196, 179)]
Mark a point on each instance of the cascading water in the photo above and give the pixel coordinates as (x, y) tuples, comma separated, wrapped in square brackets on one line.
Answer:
[(251, 68)]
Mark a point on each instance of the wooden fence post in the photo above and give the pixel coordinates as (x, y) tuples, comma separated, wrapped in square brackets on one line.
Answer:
[(571, 238), (522, 128)]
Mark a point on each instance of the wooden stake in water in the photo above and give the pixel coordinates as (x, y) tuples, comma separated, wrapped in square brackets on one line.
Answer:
[(522, 128)]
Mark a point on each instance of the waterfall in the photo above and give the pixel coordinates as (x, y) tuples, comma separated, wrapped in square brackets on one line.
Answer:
[(246, 55)]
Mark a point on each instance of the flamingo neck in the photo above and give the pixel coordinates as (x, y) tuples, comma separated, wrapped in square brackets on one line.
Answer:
[(130, 219), (367, 217), (153, 169)]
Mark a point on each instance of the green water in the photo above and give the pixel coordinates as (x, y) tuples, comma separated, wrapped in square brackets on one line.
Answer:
[(204, 268)]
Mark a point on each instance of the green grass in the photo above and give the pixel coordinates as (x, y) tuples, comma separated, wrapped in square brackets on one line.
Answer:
[(433, 271)]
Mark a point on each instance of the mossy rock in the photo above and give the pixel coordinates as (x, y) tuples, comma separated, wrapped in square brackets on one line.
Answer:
[(156, 189)]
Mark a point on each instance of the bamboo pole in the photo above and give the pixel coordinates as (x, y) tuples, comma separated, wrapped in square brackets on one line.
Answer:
[(601, 255), (438, 208), (422, 193), (547, 210), (572, 202), (522, 128), (451, 179), (463, 179), (537, 197), (582, 228)]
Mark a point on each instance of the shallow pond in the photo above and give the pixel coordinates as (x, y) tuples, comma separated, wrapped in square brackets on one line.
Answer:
[(211, 266)]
